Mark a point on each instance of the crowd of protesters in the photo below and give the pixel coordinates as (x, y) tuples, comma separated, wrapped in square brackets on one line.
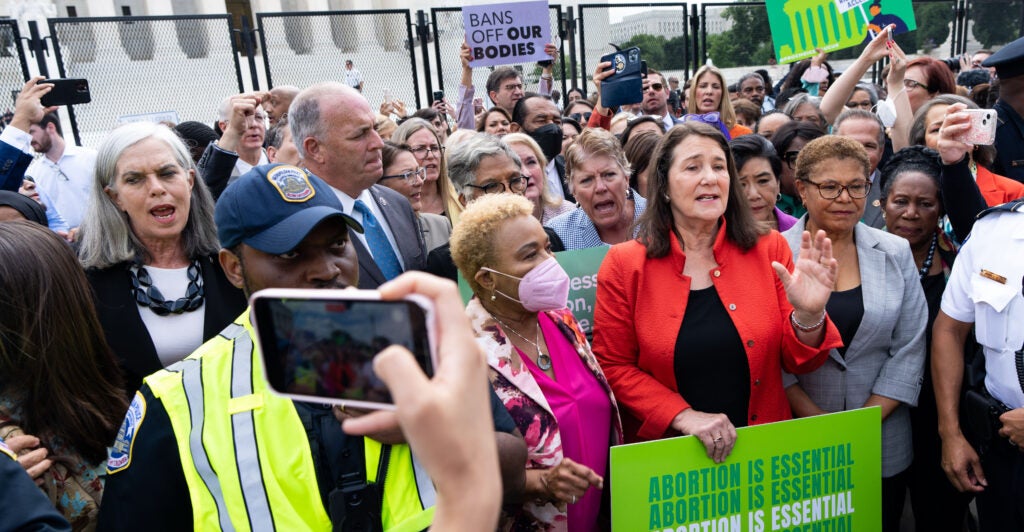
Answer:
[(776, 250)]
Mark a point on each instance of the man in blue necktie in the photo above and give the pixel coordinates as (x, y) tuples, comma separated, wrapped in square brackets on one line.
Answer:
[(332, 127)]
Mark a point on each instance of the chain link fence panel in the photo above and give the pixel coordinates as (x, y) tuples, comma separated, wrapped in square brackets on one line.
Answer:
[(660, 30), (13, 68), (305, 48), (144, 67), (450, 33)]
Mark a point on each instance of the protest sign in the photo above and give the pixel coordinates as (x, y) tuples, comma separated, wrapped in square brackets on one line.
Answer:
[(817, 473), (582, 266), (800, 26), (500, 34)]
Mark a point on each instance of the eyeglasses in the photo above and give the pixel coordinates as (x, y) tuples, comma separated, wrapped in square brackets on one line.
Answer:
[(517, 185), (656, 87), (752, 89), (790, 157), (421, 173), (422, 151), (911, 84), (831, 190), (859, 105), (582, 118)]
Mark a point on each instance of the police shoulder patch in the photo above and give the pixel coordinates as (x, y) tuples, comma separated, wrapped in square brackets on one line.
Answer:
[(291, 183), (4, 449), (120, 455)]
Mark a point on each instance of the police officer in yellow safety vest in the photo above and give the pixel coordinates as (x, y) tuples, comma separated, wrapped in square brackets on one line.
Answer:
[(206, 446)]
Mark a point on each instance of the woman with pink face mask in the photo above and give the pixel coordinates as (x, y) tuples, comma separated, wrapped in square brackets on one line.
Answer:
[(541, 365)]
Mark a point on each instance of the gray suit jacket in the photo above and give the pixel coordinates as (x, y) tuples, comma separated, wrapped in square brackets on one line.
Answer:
[(887, 354), (873, 204), (399, 216)]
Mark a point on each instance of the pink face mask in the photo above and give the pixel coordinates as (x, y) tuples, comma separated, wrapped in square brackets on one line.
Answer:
[(542, 289)]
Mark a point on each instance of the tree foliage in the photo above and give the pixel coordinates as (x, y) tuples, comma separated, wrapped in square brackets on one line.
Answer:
[(747, 42), (996, 23), (659, 52)]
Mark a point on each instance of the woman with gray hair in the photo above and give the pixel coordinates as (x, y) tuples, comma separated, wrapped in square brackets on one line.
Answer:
[(479, 166), (598, 176), (149, 248), (806, 108)]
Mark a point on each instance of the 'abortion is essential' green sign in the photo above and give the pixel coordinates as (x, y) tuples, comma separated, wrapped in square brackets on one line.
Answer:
[(819, 474)]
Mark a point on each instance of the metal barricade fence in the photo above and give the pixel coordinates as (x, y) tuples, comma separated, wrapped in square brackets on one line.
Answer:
[(305, 48), (662, 32), (449, 34), (13, 66), (182, 66)]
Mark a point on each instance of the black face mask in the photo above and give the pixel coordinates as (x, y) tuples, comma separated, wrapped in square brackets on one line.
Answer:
[(549, 137)]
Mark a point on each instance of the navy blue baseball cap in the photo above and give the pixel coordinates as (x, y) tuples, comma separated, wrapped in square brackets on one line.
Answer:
[(273, 207)]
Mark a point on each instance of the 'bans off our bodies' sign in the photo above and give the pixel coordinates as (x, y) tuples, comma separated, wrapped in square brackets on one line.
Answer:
[(500, 34)]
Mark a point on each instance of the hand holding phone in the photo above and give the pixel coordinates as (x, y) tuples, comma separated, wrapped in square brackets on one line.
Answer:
[(446, 419), (71, 91), (319, 345), (982, 129)]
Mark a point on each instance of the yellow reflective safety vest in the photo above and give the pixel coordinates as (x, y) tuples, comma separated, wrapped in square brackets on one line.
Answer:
[(244, 451)]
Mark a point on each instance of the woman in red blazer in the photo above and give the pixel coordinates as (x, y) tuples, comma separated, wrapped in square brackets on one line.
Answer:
[(697, 317)]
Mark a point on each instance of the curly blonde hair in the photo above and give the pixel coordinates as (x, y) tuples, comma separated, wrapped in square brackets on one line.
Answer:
[(473, 239), (829, 147)]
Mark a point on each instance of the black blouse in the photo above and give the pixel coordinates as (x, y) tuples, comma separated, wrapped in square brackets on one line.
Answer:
[(846, 309), (712, 371)]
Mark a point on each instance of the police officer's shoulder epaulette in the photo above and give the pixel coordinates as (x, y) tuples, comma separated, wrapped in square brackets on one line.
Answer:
[(1010, 206)]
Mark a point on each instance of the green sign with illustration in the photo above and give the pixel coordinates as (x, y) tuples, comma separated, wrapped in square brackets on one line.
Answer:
[(582, 266), (801, 26), (818, 473)]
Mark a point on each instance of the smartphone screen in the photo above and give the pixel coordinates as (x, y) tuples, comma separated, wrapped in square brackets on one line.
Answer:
[(324, 348)]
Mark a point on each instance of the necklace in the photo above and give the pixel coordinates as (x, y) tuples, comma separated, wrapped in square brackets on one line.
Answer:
[(931, 256), (147, 295), (543, 360)]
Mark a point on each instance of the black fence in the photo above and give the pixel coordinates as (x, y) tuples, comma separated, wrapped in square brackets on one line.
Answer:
[(177, 67), (13, 66), (181, 67), (448, 35), (304, 48)]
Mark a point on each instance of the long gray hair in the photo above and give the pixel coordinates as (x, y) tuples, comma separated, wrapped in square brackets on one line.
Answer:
[(107, 237)]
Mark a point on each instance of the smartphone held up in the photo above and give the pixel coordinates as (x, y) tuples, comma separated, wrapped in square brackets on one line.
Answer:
[(70, 91), (319, 345), (983, 127)]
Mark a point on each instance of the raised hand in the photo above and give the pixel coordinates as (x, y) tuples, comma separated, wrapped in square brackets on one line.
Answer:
[(813, 279), (950, 148), (28, 109)]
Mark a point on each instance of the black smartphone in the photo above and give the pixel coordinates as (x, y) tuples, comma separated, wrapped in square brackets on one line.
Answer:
[(66, 91), (319, 345), (438, 96)]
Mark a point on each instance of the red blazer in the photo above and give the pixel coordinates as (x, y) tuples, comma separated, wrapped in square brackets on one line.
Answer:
[(640, 307), (997, 189)]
